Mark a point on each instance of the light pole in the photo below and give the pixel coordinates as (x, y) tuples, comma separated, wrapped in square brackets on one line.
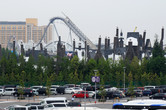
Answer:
[(124, 77), (95, 85)]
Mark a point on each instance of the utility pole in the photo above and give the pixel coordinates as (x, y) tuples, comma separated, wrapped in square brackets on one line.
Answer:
[(95, 85), (124, 77)]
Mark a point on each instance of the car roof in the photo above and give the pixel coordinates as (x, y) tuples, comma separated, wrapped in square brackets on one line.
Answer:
[(10, 88), (56, 98), (32, 104), (19, 106)]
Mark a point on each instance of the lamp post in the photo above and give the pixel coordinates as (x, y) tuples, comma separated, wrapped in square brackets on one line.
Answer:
[(124, 77), (95, 71)]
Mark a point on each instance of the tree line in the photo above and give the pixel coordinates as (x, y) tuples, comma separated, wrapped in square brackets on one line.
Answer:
[(14, 69)]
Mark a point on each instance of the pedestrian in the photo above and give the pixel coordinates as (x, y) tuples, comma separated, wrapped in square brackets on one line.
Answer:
[(72, 99)]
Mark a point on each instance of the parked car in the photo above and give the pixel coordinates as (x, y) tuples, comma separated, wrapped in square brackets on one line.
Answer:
[(149, 87), (54, 86), (53, 91), (81, 94), (9, 91), (17, 107), (29, 104), (53, 100), (10, 86), (90, 88), (83, 85), (72, 90), (26, 92), (54, 105), (147, 92), (35, 92), (35, 106), (1, 92), (117, 94), (156, 90), (108, 95), (138, 93), (36, 87), (74, 104), (42, 91), (91, 93), (61, 90), (158, 96), (69, 85)]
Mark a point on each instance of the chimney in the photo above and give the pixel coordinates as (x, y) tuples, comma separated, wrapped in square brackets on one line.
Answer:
[(162, 37), (88, 54), (74, 45), (115, 42), (85, 45), (117, 32), (143, 45), (99, 43), (106, 43)]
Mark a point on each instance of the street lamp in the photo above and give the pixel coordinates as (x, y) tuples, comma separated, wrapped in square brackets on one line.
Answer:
[(124, 77), (95, 71)]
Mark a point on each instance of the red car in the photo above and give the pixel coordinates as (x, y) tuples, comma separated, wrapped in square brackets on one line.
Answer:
[(80, 94)]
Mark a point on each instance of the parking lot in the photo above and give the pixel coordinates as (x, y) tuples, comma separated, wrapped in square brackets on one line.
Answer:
[(11, 100)]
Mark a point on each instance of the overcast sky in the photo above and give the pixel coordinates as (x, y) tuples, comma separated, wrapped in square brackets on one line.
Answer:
[(93, 17)]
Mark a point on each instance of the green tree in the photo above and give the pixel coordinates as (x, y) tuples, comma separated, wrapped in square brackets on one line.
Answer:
[(131, 87), (102, 91), (48, 84), (157, 63)]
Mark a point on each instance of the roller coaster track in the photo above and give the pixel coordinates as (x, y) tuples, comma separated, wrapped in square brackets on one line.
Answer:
[(74, 28)]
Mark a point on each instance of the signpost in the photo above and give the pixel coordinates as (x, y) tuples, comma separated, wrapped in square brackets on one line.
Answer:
[(95, 79)]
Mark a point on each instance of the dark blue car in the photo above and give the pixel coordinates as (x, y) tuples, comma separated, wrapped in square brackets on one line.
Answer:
[(147, 92)]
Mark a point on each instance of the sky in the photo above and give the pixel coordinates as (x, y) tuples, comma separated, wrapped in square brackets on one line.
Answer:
[(93, 17)]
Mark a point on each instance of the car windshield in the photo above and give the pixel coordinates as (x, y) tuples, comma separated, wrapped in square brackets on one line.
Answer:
[(59, 105), (20, 109), (48, 102), (76, 88)]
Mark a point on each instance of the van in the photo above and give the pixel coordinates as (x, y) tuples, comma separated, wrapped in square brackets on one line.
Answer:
[(83, 85), (53, 100), (36, 87), (9, 91), (149, 87)]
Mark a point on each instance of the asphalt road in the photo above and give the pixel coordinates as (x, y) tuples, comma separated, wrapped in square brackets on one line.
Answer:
[(10, 100)]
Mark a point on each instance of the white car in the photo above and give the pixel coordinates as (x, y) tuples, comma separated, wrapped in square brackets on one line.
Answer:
[(9, 91), (53, 91), (53, 105), (91, 93), (1, 91), (53, 100), (17, 107), (36, 87), (72, 90), (35, 92)]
